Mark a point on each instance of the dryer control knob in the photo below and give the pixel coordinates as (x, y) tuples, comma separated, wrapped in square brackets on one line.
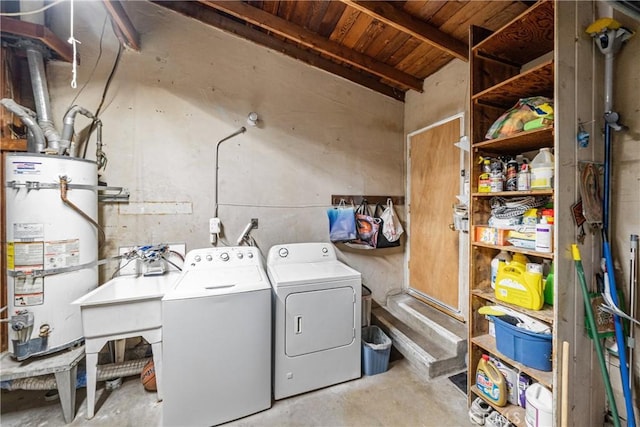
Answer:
[(197, 258), (250, 254), (240, 255), (283, 252), (325, 250), (209, 258), (224, 256)]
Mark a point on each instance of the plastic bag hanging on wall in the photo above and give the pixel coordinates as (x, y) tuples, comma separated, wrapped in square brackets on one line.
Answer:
[(392, 229), (367, 228), (342, 223)]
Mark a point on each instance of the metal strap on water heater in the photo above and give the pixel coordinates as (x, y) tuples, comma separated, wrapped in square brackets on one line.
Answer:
[(49, 272), (35, 185)]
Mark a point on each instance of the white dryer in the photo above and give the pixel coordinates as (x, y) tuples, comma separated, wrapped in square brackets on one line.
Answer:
[(217, 338), (317, 316)]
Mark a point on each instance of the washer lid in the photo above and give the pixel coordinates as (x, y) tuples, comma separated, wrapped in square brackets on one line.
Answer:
[(311, 272), (207, 282)]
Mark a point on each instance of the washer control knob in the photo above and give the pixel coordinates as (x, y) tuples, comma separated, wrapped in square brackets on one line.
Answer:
[(283, 252), (324, 250), (197, 258), (250, 254), (209, 258), (224, 256), (240, 255)]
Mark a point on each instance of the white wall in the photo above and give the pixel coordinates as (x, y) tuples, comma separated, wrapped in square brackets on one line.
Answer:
[(192, 85), (446, 93)]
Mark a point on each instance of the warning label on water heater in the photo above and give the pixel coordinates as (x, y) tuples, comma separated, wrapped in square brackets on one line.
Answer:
[(28, 232), (61, 253), (26, 257), (28, 290)]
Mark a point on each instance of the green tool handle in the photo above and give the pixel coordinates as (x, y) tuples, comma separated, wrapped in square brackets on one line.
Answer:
[(592, 324)]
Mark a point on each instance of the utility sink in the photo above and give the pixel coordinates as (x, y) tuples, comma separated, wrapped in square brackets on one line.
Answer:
[(125, 304)]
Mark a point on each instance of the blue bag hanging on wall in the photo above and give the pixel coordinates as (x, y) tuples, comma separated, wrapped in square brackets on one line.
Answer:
[(342, 223)]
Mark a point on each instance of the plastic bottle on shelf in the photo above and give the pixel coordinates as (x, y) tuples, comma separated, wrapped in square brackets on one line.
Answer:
[(544, 236), (491, 382), (539, 407), (520, 258), (524, 178), (511, 181), (548, 215), (542, 170), (495, 262), (483, 178), (496, 178)]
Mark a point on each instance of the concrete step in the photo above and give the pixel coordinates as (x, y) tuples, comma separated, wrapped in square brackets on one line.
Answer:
[(428, 358), (429, 322)]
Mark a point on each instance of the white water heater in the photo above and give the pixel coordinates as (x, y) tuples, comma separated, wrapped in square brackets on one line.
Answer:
[(52, 249)]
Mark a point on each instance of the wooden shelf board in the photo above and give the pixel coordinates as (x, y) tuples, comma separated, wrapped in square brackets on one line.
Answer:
[(545, 314), (547, 255), (525, 38), (488, 343), (521, 142), (515, 193), (537, 81), (513, 413)]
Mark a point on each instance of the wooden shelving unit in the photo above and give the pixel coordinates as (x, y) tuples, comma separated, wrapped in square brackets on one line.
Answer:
[(507, 65)]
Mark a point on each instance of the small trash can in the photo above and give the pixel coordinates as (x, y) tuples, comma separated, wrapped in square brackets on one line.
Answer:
[(366, 306), (376, 348)]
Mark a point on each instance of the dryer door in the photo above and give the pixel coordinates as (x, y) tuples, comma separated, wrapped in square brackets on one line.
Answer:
[(319, 320)]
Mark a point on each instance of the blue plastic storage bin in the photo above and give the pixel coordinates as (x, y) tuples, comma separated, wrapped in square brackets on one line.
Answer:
[(376, 348), (529, 348)]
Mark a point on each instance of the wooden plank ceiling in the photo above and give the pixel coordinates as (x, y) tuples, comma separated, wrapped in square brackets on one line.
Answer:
[(387, 46)]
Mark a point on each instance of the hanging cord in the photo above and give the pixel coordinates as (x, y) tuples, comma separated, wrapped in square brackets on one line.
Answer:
[(63, 196), (104, 94), (95, 66), (73, 42), (503, 208)]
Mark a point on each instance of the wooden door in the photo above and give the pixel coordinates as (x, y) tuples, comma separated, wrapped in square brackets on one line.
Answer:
[(434, 247)]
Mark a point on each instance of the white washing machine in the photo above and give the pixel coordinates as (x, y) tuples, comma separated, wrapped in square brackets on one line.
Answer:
[(217, 338), (317, 317)]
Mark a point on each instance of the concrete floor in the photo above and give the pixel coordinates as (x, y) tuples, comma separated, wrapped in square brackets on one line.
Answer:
[(398, 397)]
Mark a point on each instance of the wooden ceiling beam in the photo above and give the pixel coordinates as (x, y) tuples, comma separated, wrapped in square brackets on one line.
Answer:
[(37, 32), (316, 42), (127, 33), (385, 12), (211, 17)]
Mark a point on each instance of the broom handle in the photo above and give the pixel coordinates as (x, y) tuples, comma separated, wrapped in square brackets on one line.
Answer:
[(596, 340)]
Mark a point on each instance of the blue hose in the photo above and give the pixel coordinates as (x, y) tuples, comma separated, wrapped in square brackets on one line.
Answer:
[(622, 349), (606, 249)]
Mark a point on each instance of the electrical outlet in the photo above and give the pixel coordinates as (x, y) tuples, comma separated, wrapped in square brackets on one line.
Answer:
[(254, 223), (214, 225)]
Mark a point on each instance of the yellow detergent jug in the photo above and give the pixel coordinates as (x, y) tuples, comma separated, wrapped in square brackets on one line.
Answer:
[(491, 382), (516, 285)]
